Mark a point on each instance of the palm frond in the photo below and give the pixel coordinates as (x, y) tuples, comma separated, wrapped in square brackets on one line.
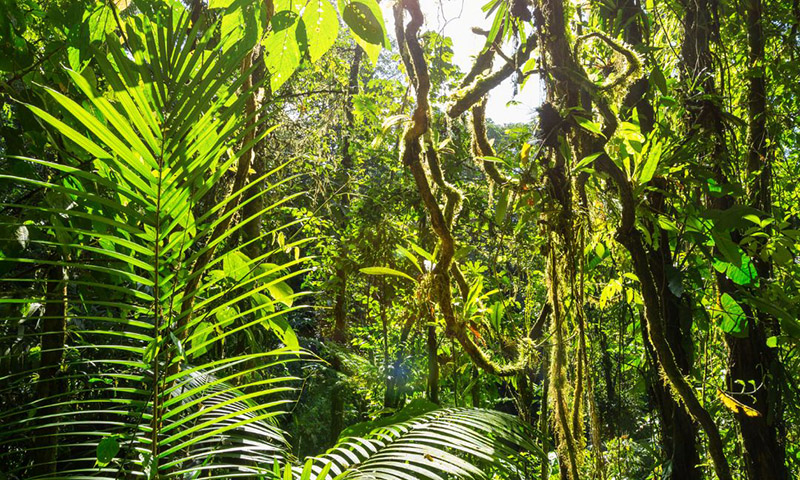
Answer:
[(445, 443), (106, 370), (118, 382)]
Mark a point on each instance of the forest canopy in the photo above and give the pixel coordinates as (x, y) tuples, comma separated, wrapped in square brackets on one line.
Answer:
[(287, 239)]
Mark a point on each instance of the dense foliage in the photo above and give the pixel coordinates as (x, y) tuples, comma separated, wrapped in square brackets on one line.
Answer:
[(280, 240)]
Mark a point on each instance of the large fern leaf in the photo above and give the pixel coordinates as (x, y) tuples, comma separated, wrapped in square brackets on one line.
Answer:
[(442, 444), (105, 368)]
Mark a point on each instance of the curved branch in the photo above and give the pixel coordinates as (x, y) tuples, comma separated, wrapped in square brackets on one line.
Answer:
[(484, 60), (482, 146), (632, 58), (631, 239), (416, 131), (482, 85), (627, 234)]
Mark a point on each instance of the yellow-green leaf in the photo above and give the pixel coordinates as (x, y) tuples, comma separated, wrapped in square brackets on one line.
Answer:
[(385, 271), (322, 26)]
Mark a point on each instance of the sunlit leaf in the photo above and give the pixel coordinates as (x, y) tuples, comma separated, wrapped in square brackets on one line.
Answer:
[(385, 271), (322, 26)]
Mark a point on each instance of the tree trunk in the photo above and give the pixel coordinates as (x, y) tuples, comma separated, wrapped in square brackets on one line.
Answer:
[(340, 307), (433, 365), (749, 359), (253, 201), (678, 431), (50, 386), (566, 90)]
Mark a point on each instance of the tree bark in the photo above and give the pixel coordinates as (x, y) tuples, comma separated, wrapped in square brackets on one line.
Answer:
[(749, 359), (253, 201), (50, 386), (441, 219), (570, 79), (339, 335), (433, 365), (678, 431)]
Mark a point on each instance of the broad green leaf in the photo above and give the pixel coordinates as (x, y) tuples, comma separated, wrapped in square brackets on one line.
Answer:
[(502, 206), (263, 301), (241, 25), (421, 252), (281, 49), (277, 324), (385, 271), (773, 342), (231, 28), (225, 316), (322, 26), (651, 163), (734, 217), (410, 256), (586, 161), (674, 281), (589, 125), (100, 23), (745, 274), (201, 333), (236, 265), (283, 331), (281, 292), (732, 319), (658, 79), (365, 20), (107, 449), (529, 65), (782, 255), (496, 313), (729, 250)]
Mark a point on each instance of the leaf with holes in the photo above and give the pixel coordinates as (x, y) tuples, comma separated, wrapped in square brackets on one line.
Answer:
[(365, 20), (281, 49), (322, 25)]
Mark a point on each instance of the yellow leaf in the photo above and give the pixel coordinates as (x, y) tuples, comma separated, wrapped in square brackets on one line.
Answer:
[(525, 152), (736, 406)]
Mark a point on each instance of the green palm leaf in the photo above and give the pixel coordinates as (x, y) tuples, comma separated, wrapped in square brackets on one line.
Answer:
[(115, 244), (446, 443), (106, 369)]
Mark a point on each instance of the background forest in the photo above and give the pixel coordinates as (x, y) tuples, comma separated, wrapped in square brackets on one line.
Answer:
[(281, 239)]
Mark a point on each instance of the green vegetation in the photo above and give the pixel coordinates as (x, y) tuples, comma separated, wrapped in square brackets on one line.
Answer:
[(277, 240)]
